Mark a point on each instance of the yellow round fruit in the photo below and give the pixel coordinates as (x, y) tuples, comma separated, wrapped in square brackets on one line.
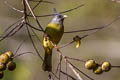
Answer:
[(106, 66), (98, 70), (2, 67), (11, 65), (9, 53), (90, 64), (4, 58)]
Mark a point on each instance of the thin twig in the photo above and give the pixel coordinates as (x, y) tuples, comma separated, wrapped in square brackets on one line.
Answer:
[(36, 35), (50, 77), (66, 69), (60, 58), (22, 54), (68, 75), (115, 66), (60, 12), (75, 59), (54, 75), (36, 6), (62, 46), (16, 30), (57, 67), (34, 16), (80, 70), (19, 20), (34, 44), (95, 30), (8, 34), (19, 46), (42, 1), (84, 30), (33, 27), (6, 2), (75, 72)]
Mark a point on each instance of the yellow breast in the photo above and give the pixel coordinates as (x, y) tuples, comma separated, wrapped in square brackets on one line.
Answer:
[(55, 26)]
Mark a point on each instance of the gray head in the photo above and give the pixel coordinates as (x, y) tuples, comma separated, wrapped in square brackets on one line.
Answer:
[(58, 18)]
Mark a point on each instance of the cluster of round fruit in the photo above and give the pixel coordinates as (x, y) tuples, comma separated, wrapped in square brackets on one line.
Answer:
[(6, 61), (97, 68)]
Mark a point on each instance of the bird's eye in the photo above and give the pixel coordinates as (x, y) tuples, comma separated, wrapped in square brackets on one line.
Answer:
[(59, 16)]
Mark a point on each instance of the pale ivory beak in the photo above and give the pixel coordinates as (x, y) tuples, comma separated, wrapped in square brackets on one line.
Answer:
[(65, 16)]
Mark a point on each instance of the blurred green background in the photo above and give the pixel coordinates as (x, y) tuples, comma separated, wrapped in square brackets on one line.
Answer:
[(101, 46)]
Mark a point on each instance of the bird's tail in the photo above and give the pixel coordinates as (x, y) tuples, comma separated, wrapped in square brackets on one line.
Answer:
[(47, 63)]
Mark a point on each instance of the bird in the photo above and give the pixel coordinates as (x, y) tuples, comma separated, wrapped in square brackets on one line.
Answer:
[(52, 36)]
